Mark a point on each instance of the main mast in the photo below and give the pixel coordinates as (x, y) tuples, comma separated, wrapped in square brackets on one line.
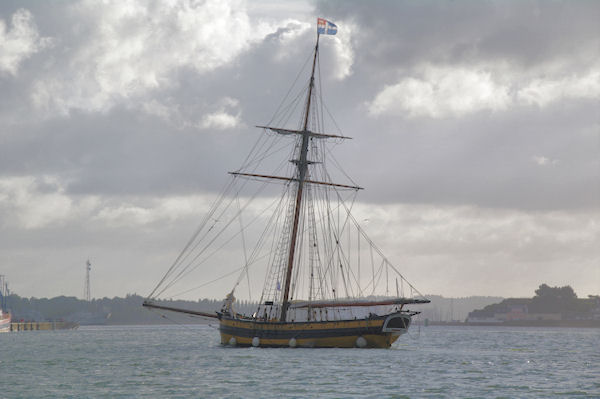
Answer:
[(302, 165)]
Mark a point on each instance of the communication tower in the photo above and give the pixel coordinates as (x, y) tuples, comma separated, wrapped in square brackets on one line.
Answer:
[(3, 292), (86, 289)]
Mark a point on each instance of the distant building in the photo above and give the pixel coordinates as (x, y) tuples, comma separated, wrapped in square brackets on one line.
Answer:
[(482, 319), (595, 312)]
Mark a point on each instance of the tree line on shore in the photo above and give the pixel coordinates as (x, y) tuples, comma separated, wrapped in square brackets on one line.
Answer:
[(547, 300), (112, 311), (129, 310)]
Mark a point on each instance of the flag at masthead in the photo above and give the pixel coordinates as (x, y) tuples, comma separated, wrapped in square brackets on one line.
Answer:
[(324, 27)]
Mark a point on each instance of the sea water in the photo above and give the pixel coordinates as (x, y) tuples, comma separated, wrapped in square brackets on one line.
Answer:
[(188, 362)]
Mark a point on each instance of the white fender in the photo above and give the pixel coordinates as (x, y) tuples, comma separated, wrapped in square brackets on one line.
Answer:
[(361, 342)]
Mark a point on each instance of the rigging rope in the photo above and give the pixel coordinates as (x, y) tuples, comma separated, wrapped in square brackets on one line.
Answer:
[(320, 231)]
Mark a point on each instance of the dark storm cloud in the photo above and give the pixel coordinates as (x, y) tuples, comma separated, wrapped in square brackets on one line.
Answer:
[(124, 149), (485, 158), (120, 148), (526, 32)]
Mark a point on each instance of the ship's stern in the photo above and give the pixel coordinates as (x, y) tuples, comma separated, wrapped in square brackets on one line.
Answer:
[(397, 323)]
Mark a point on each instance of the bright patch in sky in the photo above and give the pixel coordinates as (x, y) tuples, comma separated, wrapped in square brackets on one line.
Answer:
[(542, 92), (19, 40), (132, 48), (440, 92)]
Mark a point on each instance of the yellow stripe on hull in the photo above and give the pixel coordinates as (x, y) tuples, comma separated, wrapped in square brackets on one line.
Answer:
[(317, 325)]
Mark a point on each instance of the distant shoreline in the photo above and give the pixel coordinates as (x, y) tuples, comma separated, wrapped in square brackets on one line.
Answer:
[(521, 323)]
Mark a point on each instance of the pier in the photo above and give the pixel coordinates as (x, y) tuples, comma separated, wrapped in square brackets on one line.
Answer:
[(43, 325)]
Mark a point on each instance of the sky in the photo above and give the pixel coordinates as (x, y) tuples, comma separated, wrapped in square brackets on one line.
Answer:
[(475, 126)]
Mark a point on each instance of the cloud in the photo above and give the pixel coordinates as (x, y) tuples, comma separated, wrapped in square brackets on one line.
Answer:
[(455, 91), (527, 35), (33, 202), (344, 51), (19, 42), (543, 161), (222, 118), (221, 115), (476, 249), (542, 92), (128, 49), (42, 202), (219, 120), (286, 36), (441, 92), (160, 109), (453, 250), (140, 212)]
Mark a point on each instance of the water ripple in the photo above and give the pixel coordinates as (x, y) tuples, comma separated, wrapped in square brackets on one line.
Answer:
[(188, 362)]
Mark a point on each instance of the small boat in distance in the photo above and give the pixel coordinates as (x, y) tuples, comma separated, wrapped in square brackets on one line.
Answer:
[(4, 321), (4, 314), (326, 284)]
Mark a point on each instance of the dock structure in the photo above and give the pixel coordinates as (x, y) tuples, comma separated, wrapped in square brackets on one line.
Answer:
[(43, 325)]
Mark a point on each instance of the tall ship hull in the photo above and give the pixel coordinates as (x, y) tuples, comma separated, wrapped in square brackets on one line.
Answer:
[(375, 332), (326, 284)]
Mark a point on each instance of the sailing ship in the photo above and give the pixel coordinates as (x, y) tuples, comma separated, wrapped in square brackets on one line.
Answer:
[(326, 283), (5, 317)]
